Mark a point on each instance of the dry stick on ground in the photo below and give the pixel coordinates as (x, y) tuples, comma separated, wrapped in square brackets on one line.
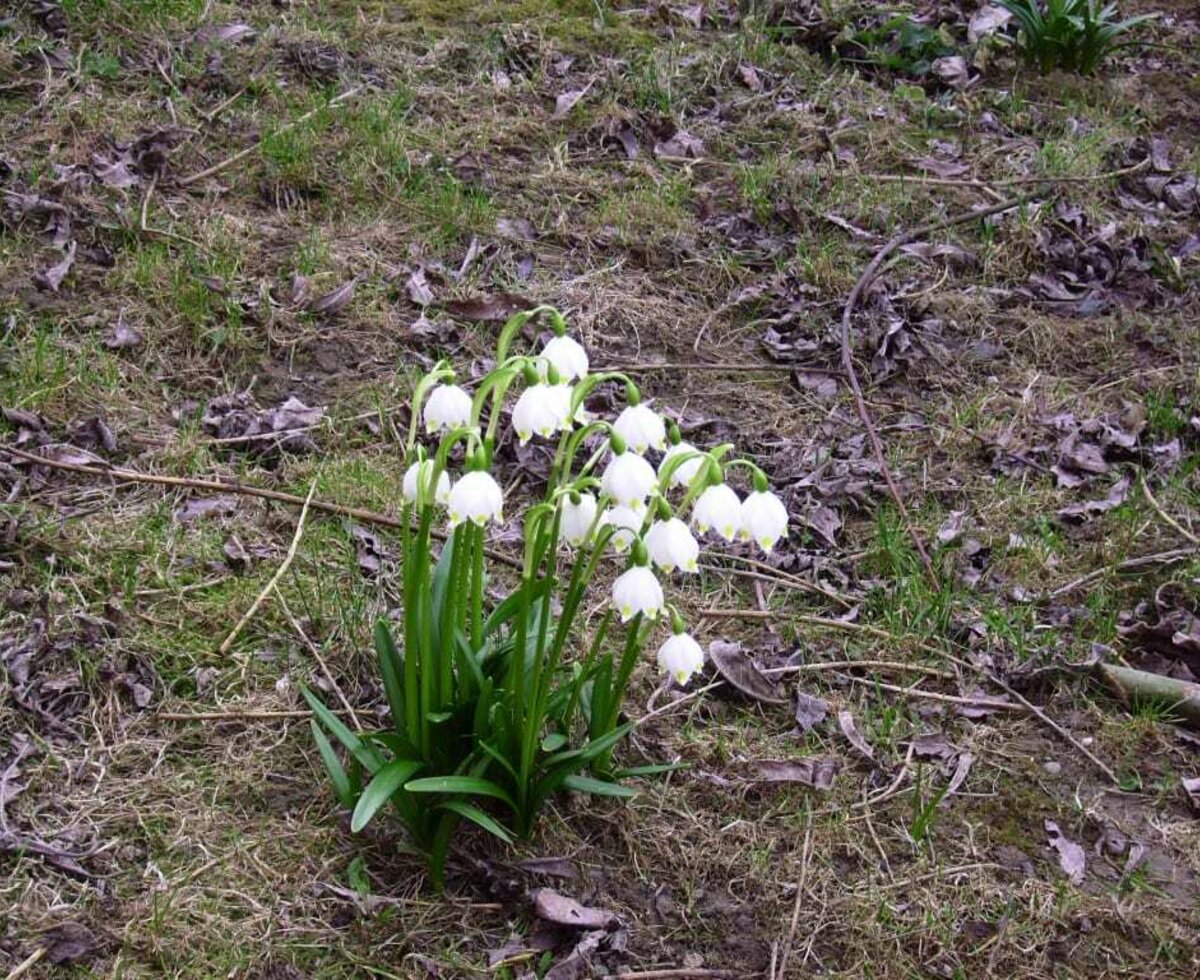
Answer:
[(1150, 498), (316, 652), (912, 692), (864, 413), (220, 486), (1044, 718), (216, 168), (26, 964), (279, 573), (1004, 181), (147, 230), (805, 852), (248, 714), (1128, 565)]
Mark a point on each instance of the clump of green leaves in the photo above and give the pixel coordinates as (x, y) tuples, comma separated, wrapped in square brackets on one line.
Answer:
[(499, 696), (1074, 35), (899, 44)]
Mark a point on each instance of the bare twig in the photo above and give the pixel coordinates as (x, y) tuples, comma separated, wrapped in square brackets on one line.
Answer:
[(162, 233), (216, 168), (26, 964), (805, 852), (222, 486), (676, 973), (1128, 565), (1153, 502), (316, 652), (1041, 715), (1004, 181), (279, 573), (851, 373), (865, 664), (991, 704), (235, 715)]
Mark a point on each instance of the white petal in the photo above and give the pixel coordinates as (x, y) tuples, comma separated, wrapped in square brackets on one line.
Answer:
[(641, 427), (763, 519), (719, 509), (447, 407), (569, 358), (681, 657), (577, 519), (629, 480), (420, 473), (686, 471), (637, 591), (476, 497)]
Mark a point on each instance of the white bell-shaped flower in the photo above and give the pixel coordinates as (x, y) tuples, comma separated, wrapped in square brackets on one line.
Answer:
[(629, 480), (567, 355), (685, 472), (541, 410), (641, 427), (671, 546), (577, 519), (681, 657), (447, 407), (476, 497), (419, 477), (627, 523), (764, 519), (719, 509), (637, 591)]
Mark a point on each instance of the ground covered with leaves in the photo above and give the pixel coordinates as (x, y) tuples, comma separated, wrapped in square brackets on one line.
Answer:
[(231, 236)]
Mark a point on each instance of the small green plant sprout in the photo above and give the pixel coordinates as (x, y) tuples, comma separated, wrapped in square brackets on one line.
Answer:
[(497, 704), (1074, 35)]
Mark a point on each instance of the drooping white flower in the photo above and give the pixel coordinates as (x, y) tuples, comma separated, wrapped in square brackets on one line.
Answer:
[(628, 524), (637, 591), (719, 509), (686, 471), (629, 480), (448, 407), (681, 657), (476, 497), (671, 546), (764, 519), (567, 355), (419, 477), (577, 519), (641, 427), (542, 409)]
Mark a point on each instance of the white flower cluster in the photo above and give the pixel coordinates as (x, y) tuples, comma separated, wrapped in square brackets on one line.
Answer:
[(631, 506)]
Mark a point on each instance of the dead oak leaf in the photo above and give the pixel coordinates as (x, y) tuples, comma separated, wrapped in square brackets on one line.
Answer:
[(854, 736), (563, 911), (492, 307), (735, 665), (1071, 857), (334, 301), (819, 773), (52, 278)]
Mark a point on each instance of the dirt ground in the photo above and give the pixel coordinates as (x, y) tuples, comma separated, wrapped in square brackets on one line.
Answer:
[(232, 234)]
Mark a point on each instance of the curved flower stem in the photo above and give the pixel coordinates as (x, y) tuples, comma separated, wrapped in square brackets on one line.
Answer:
[(440, 372)]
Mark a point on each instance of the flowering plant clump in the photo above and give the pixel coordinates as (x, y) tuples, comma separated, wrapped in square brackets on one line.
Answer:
[(498, 704)]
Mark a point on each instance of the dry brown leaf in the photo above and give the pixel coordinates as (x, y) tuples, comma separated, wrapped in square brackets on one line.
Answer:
[(736, 666)]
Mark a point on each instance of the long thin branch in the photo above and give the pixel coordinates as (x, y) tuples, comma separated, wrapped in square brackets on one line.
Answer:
[(275, 579), (216, 168), (222, 486), (1005, 181), (860, 287)]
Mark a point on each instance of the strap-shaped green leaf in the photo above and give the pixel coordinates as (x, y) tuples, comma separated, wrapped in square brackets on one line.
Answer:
[(477, 816), (337, 772), (598, 787), (391, 669), (381, 789), (467, 785), (365, 753)]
